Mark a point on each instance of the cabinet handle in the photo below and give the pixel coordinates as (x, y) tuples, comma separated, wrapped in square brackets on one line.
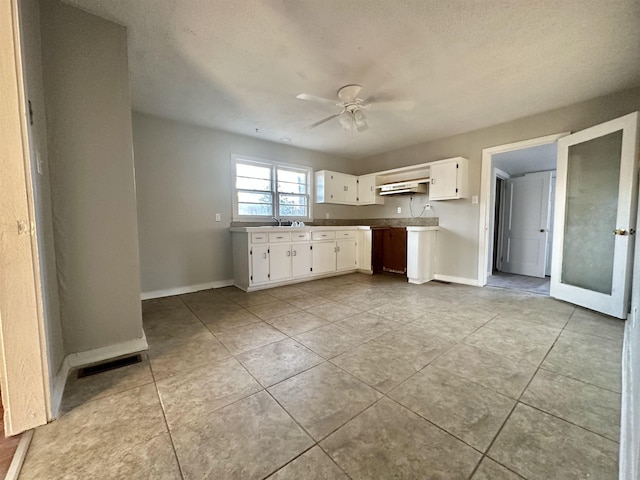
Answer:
[(279, 237), (294, 253), (433, 181), (288, 253)]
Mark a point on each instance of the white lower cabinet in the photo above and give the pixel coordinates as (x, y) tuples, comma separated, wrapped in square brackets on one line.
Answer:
[(279, 262), (300, 260), (269, 258), (346, 254), (324, 257), (421, 251), (259, 264)]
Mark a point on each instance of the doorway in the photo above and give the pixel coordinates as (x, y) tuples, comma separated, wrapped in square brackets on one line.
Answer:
[(500, 166)]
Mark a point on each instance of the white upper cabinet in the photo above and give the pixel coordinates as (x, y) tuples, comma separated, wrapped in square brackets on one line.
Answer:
[(334, 187), (449, 179), (367, 193), (342, 188)]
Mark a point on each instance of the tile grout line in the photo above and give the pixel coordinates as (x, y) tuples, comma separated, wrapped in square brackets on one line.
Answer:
[(166, 423), (518, 402)]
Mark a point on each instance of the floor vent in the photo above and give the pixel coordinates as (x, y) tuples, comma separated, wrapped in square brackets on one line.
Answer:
[(110, 365), (441, 281)]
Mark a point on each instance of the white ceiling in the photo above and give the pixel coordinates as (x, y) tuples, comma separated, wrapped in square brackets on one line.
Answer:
[(237, 65), (527, 160)]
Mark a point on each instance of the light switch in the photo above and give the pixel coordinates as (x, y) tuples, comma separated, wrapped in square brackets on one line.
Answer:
[(399, 209), (217, 217)]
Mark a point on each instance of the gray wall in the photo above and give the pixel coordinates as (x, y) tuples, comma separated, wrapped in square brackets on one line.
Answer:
[(30, 28), (183, 178), (90, 149), (457, 248)]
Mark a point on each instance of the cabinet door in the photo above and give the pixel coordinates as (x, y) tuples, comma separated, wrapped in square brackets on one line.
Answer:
[(333, 191), (324, 257), (444, 181), (394, 257), (346, 255), (300, 260), (279, 261), (259, 264), (367, 190), (350, 189)]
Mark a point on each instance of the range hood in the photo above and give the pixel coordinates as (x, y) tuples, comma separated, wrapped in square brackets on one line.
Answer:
[(409, 186)]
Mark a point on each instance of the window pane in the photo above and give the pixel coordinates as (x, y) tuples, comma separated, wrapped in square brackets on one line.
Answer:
[(255, 209), (292, 199), (284, 187), (245, 183), (293, 210), (255, 171), (257, 197), (292, 176)]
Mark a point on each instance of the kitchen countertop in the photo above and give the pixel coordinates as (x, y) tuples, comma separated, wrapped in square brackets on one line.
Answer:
[(306, 228), (354, 222)]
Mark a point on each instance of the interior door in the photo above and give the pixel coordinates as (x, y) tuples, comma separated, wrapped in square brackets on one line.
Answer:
[(526, 224), (595, 211)]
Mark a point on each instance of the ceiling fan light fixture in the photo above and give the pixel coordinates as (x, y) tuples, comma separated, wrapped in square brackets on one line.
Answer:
[(346, 120)]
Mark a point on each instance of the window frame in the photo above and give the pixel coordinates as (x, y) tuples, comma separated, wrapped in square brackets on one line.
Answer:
[(273, 165)]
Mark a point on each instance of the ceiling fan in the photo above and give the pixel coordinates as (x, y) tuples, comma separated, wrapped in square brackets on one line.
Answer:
[(351, 115)]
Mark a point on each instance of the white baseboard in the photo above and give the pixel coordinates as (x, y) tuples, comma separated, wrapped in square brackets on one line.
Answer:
[(88, 357), (464, 281), (188, 289), (18, 457), (58, 384)]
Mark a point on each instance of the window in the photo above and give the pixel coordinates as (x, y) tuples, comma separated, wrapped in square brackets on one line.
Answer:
[(267, 189)]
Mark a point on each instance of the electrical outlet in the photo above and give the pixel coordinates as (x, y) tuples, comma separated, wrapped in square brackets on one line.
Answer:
[(399, 209), (217, 217), (427, 206), (326, 215)]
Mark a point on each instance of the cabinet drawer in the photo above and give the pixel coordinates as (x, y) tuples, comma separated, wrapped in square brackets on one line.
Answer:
[(300, 237), (346, 234), (323, 235), (279, 237), (258, 238)]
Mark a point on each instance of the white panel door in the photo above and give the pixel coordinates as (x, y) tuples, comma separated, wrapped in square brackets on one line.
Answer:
[(526, 224), (595, 214), (300, 260), (444, 181), (259, 264), (346, 254), (324, 257), (279, 262)]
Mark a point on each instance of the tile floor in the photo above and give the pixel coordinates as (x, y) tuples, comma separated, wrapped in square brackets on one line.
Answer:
[(361, 377)]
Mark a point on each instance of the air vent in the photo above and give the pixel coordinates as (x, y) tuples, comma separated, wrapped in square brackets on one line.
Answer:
[(111, 365)]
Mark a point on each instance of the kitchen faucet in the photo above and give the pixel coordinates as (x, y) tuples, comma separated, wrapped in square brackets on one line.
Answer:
[(278, 220)]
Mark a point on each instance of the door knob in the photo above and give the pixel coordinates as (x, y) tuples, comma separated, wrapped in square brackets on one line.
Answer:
[(542, 230), (620, 231)]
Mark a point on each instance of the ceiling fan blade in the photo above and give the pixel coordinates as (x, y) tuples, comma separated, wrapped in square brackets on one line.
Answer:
[(391, 106), (313, 98), (324, 120)]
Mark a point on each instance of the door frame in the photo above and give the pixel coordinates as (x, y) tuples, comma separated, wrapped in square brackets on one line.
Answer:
[(23, 350), (487, 197), (498, 223)]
